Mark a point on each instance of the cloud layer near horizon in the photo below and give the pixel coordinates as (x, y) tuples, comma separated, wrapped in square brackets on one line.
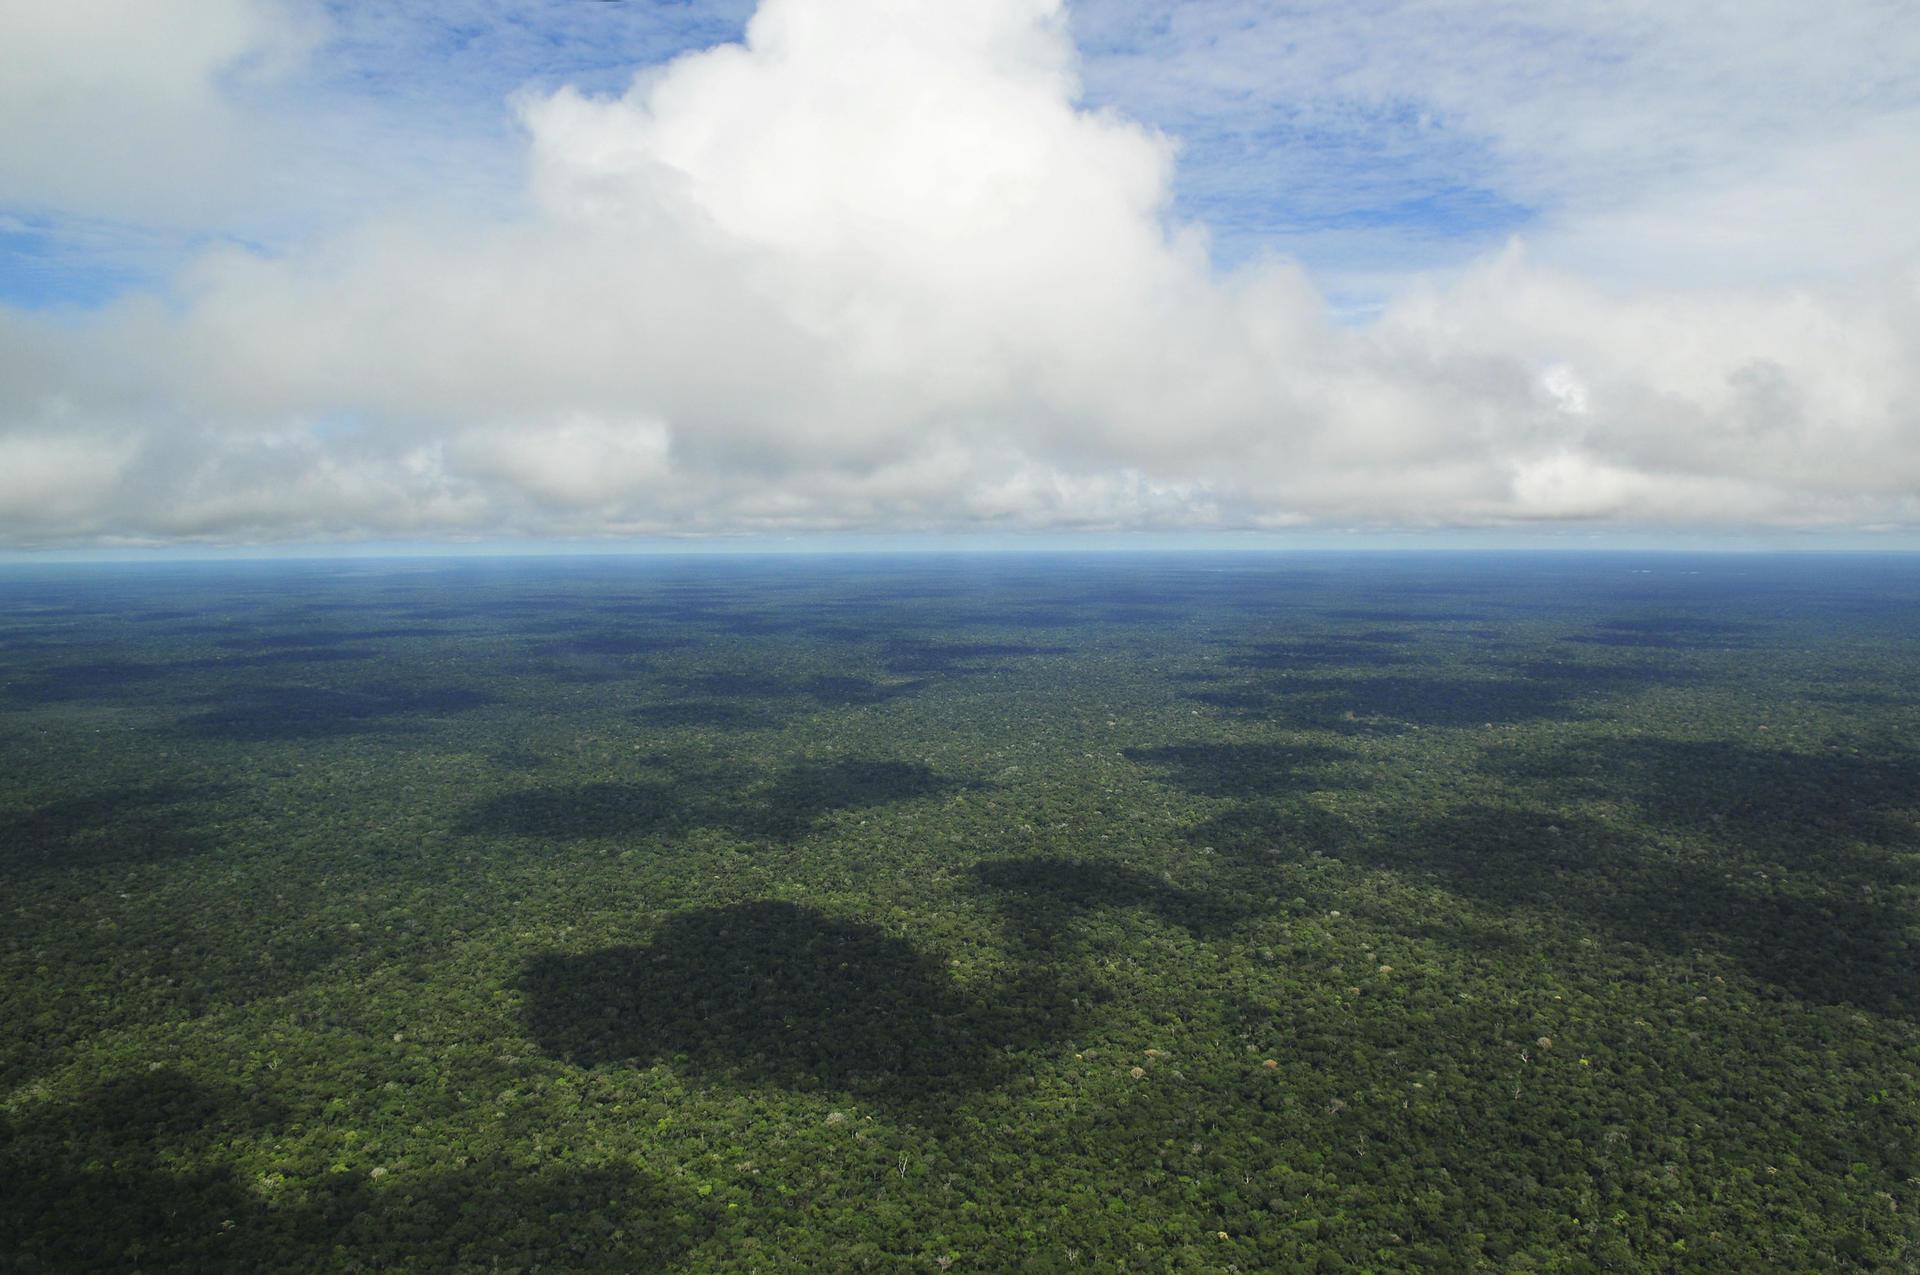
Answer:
[(878, 268)]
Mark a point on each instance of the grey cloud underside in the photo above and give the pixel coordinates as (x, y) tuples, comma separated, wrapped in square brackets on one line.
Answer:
[(879, 268)]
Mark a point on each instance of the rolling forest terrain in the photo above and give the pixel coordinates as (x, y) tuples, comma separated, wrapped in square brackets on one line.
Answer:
[(1549, 912)]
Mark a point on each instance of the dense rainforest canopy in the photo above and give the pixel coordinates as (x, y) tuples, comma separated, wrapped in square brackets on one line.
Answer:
[(1238, 913)]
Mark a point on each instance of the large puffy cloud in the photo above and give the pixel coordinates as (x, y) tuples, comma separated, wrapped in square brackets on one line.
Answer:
[(875, 268), (100, 97)]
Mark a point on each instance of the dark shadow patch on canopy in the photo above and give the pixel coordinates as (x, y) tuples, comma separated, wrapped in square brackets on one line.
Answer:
[(734, 684), (1763, 796), (857, 692), (311, 637), (135, 824), (268, 713), (633, 808), (1043, 897), (131, 1176), (683, 796), (281, 657), (802, 794), (91, 679), (1808, 911), (771, 992)]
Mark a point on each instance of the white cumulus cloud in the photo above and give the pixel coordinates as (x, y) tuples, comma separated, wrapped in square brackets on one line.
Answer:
[(879, 267)]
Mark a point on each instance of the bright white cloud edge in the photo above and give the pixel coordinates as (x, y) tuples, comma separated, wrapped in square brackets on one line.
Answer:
[(877, 270)]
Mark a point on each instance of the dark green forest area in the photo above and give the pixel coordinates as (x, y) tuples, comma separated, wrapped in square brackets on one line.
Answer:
[(1123, 913)]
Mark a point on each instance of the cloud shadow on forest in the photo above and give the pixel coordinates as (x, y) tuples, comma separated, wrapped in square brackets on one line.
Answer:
[(265, 714), (311, 637), (684, 797), (135, 824), (91, 679), (839, 691), (1043, 897), (1779, 867), (1796, 800), (771, 992), (910, 656), (1515, 692), (97, 1184)]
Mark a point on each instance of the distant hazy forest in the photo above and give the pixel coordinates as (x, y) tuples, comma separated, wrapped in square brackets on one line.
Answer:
[(1121, 913)]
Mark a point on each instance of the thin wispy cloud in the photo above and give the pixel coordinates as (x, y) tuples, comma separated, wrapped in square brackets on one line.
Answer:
[(492, 270)]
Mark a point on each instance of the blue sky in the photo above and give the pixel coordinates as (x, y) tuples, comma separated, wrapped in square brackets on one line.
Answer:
[(575, 271), (422, 87)]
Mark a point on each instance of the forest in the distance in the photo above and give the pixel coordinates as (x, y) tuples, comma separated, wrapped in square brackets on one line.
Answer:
[(1315, 912)]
